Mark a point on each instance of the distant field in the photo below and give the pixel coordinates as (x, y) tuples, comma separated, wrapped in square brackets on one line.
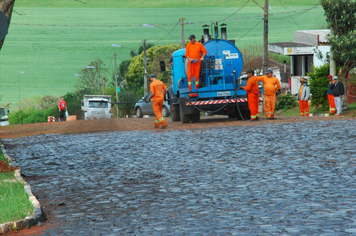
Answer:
[(157, 3), (52, 40)]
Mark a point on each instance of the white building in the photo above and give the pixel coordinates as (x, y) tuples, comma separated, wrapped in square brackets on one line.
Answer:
[(310, 47), (304, 50)]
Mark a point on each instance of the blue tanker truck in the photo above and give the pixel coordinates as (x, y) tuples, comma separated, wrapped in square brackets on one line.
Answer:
[(219, 84)]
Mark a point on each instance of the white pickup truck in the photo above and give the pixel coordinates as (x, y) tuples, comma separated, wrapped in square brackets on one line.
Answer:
[(4, 119), (96, 107)]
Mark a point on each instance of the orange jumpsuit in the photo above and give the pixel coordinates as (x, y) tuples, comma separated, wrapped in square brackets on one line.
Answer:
[(252, 91), (303, 104), (271, 86), (331, 102), (194, 51), (157, 88)]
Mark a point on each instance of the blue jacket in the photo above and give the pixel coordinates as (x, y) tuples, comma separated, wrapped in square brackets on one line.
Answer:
[(305, 93), (330, 91)]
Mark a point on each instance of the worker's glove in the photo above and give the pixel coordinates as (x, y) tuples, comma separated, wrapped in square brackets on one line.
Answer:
[(147, 100), (165, 98), (193, 61)]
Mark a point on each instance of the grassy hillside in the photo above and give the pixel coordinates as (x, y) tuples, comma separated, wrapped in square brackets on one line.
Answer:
[(157, 3), (52, 40)]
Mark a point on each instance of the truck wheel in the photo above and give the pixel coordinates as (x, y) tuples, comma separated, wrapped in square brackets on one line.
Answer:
[(195, 118), (165, 112), (183, 118), (139, 112), (175, 112)]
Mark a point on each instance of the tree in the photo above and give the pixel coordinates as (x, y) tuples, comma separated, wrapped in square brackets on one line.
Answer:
[(6, 7), (91, 78), (140, 49), (134, 76), (340, 15)]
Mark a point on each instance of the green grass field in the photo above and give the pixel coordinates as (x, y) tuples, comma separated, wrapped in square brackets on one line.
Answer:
[(52, 40)]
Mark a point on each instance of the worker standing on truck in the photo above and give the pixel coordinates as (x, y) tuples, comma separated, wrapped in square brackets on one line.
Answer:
[(252, 91), (271, 86), (194, 52), (158, 93), (62, 107)]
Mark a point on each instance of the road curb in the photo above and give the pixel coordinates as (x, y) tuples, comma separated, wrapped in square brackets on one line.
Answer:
[(31, 220)]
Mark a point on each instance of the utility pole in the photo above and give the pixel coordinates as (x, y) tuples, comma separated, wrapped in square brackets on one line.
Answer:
[(265, 47), (145, 67), (332, 69), (182, 44), (116, 93), (104, 80), (265, 37)]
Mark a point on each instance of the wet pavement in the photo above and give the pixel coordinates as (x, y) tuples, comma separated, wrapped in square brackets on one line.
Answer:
[(271, 179)]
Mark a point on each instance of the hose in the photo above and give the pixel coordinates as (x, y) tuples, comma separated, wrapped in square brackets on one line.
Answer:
[(237, 105)]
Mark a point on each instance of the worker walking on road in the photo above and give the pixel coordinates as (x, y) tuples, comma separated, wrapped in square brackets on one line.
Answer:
[(331, 96), (252, 91), (271, 86), (194, 52), (158, 93), (303, 97)]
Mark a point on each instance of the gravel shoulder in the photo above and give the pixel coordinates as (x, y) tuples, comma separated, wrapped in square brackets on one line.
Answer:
[(127, 124)]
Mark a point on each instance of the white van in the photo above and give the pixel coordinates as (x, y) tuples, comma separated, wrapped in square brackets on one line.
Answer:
[(4, 119)]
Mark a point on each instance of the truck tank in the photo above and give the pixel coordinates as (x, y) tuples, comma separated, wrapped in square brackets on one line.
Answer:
[(219, 84)]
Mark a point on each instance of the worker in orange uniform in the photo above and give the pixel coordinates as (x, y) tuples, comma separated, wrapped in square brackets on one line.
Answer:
[(158, 93), (271, 86), (303, 97), (194, 52), (252, 91), (331, 96)]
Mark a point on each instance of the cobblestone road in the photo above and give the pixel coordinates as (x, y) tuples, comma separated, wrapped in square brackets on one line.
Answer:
[(272, 179)]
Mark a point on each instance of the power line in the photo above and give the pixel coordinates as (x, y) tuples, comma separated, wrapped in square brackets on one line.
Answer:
[(235, 11), (298, 13), (249, 30), (167, 33), (311, 41)]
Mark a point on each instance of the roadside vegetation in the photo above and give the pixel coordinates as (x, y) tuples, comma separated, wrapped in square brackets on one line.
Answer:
[(288, 104), (14, 201)]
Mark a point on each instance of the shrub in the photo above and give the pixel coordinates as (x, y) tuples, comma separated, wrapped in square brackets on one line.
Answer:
[(48, 101), (318, 87), (129, 98), (32, 115), (286, 102), (74, 103)]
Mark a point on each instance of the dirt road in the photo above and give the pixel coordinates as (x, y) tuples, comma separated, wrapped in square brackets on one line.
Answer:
[(127, 124)]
